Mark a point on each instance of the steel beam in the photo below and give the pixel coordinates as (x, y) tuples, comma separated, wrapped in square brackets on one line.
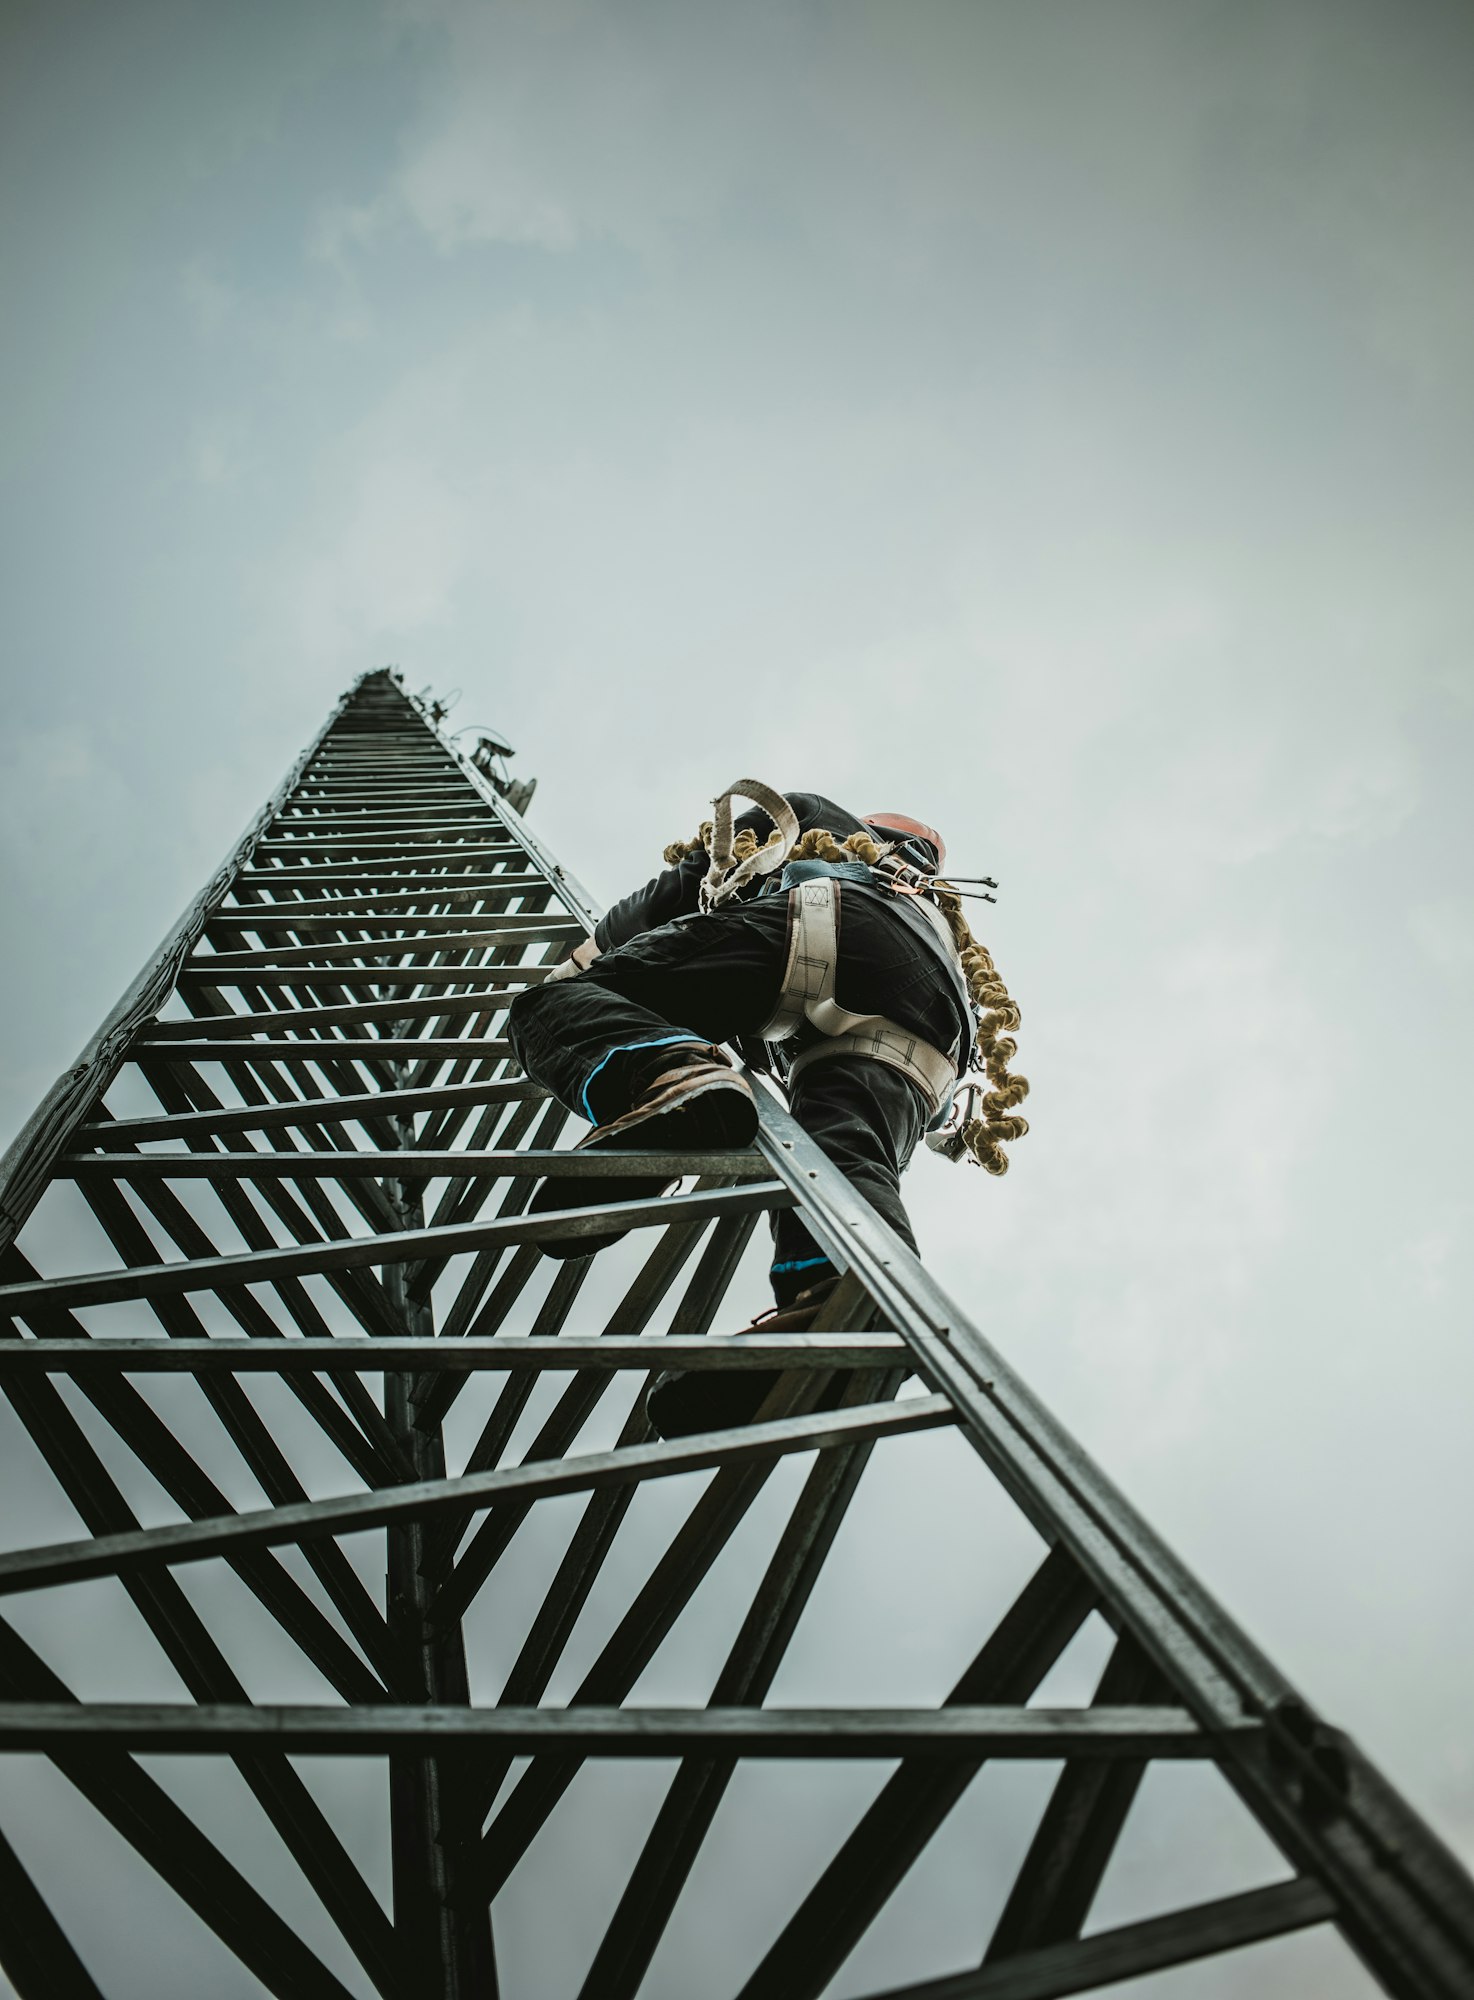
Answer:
[(373, 1353), (197, 1728)]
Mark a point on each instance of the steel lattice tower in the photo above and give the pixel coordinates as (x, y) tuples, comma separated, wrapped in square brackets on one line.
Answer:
[(330, 1192)]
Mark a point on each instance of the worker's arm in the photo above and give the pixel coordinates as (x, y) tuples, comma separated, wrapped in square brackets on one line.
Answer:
[(578, 960), (673, 893)]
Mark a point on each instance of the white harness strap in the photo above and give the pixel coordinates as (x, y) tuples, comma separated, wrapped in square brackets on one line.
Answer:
[(808, 975), (807, 994), (882, 1041), (725, 876)]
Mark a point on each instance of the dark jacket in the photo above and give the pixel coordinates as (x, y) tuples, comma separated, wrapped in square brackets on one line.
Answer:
[(675, 893)]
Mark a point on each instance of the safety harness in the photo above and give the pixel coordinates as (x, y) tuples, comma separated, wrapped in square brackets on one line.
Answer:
[(807, 990), (807, 994)]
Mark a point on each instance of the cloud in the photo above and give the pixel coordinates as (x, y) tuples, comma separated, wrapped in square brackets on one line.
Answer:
[(210, 301), (219, 449), (1437, 1253), (339, 229), (42, 765), (560, 124), (390, 568), (1443, 930)]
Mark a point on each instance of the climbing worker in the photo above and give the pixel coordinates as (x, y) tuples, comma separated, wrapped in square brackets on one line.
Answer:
[(834, 941)]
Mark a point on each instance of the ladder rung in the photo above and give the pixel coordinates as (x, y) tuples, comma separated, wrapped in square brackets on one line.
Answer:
[(1129, 1951), (373, 819), (296, 1521), (533, 930), (465, 926), (409, 1164), (374, 1353), (449, 878), (368, 908), (343, 1013), (412, 847), (380, 1729), (443, 798), (319, 859), (197, 974), (115, 1133), (366, 1048), (406, 1246)]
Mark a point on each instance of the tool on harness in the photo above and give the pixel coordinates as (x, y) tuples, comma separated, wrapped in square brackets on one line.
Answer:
[(916, 857), (902, 877), (970, 895), (973, 895), (950, 1139), (726, 875)]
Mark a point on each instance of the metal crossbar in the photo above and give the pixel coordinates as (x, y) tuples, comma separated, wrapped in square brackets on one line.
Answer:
[(304, 1143)]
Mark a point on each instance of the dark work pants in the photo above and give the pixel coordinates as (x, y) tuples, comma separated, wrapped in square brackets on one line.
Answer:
[(596, 1039)]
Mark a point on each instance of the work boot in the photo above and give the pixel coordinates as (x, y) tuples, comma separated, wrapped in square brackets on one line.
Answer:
[(683, 1401), (698, 1104)]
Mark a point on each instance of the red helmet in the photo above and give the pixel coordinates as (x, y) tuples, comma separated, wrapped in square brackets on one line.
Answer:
[(903, 828)]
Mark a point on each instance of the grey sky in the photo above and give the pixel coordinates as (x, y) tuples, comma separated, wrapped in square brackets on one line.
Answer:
[(1054, 421)]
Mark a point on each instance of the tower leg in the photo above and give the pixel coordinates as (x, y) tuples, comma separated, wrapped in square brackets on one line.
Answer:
[(448, 1943)]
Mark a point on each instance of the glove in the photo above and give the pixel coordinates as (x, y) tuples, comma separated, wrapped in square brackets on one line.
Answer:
[(579, 960)]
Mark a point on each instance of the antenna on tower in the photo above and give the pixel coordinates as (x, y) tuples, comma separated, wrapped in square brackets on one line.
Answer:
[(489, 758)]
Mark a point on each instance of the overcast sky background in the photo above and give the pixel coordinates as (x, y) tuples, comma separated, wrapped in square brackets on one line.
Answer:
[(1052, 421)]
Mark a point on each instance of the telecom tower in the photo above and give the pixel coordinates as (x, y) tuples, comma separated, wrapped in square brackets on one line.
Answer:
[(306, 1157)]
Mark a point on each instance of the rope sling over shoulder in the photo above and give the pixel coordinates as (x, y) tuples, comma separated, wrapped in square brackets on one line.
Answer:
[(727, 874)]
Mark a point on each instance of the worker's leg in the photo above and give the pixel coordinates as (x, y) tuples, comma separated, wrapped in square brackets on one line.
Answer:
[(630, 1045), (867, 1118), (597, 1039)]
